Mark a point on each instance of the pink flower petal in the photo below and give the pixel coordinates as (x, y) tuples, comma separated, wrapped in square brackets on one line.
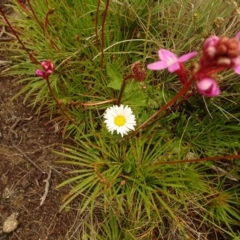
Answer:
[(40, 73), (165, 55), (157, 65), (210, 42), (174, 67), (204, 84), (238, 36), (237, 69), (187, 56), (169, 60), (208, 87)]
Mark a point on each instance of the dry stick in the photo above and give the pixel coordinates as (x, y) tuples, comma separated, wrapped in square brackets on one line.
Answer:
[(84, 104), (47, 185), (33, 163)]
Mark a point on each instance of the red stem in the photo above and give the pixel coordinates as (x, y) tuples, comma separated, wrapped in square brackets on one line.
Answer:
[(96, 22), (22, 5), (103, 24), (50, 11), (29, 4), (56, 100), (122, 88), (31, 57), (171, 102), (228, 157)]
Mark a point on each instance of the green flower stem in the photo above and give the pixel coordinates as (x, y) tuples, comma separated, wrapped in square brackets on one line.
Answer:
[(170, 103), (122, 88)]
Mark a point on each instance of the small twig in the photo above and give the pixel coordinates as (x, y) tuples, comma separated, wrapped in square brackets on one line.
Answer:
[(11, 129), (19, 120), (227, 174), (32, 162), (47, 185)]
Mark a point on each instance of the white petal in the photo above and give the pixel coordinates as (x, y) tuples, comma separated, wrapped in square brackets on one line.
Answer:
[(114, 111)]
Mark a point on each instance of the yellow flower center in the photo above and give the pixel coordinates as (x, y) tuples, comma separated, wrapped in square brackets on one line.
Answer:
[(119, 120)]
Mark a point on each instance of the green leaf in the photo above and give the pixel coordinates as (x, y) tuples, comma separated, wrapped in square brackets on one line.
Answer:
[(116, 77), (128, 167)]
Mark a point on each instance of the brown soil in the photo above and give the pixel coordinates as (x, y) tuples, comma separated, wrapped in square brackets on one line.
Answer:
[(25, 138), (22, 137)]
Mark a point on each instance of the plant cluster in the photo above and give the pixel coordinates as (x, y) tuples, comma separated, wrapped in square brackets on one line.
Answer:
[(155, 153)]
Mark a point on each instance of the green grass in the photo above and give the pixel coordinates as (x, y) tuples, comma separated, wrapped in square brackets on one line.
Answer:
[(128, 186)]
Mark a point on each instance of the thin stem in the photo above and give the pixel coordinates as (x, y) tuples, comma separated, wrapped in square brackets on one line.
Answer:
[(186, 97), (96, 23), (147, 30), (228, 157), (171, 102), (50, 11), (122, 88), (103, 25), (33, 59), (56, 100), (29, 4), (22, 5), (93, 103)]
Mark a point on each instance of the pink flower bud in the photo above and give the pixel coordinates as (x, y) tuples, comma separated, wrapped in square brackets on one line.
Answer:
[(211, 42), (209, 46), (40, 73), (49, 72), (236, 65), (208, 87), (47, 65)]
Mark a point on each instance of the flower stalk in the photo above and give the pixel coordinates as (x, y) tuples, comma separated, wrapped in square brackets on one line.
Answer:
[(169, 104), (122, 88), (44, 73), (31, 57)]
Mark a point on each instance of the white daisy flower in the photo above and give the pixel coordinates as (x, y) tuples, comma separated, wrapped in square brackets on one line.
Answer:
[(119, 118)]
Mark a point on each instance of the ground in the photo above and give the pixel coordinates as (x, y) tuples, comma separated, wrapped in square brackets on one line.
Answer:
[(24, 136)]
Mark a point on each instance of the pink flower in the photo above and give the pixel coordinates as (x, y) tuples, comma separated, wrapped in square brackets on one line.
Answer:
[(40, 73), (47, 67), (210, 42), (209, 46), (236, 63), (208, 87), (238, 36), (170, 61)]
